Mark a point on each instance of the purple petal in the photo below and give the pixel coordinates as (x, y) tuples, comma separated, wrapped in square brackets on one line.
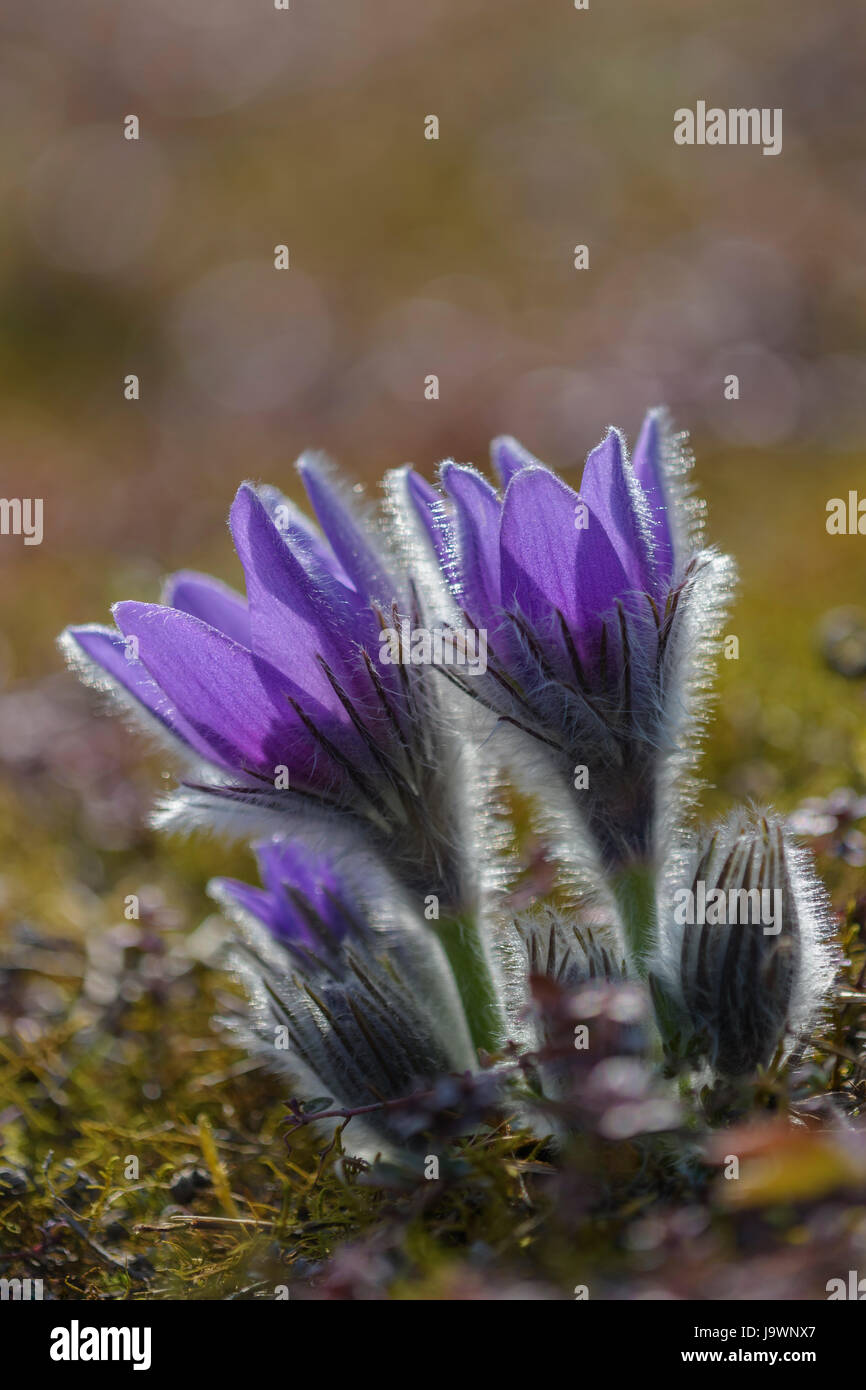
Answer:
[(297, 617), (271, 909), (236, 702), (431, 510), (649, 471), (108, 650), (301, 534), (548, 562), (283, 864), (294, 617), (610, 489), (216, 604), (288, 869), (361, 561), (508, 457), (477, 516), (538, 547)]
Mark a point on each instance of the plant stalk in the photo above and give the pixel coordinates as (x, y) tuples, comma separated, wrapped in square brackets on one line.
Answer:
[(462, 943)]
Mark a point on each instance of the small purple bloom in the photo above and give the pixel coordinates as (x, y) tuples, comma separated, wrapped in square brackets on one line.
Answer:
[(349, 989), (304, 902)]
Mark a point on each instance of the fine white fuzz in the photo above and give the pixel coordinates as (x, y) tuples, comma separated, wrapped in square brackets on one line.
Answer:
[(372, 1023), (119, 700), (743, 949)]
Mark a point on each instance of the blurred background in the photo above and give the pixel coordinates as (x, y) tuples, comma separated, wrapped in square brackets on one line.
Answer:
[(408, 257)]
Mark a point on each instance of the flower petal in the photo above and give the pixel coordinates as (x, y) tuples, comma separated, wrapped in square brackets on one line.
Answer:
[(236, 702), (302, 902), (302, 534), (613, 495), (268, 907), (284, 864), (477, 516), (294, 616), (91, 646), (649, 471), (359, 558), (548, 559), (430, 508), (508, 457), (216, 604)]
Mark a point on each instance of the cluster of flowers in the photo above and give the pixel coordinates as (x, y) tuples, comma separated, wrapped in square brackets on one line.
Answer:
[(378, 946)]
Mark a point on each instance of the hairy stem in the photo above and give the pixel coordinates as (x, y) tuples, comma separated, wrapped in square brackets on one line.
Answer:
[(462, 943), (634, 888)]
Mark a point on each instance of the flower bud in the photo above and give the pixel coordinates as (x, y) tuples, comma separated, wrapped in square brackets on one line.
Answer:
[(744, 951)]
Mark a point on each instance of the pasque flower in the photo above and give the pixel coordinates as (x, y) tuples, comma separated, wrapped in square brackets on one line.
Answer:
[(743, 961), (349, 990), (288, 720), (601, 607), (371, 945)]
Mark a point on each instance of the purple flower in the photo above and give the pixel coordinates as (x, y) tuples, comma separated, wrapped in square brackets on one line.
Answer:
[(278, 701), (349, 990), (600, 608), (303, 903)]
